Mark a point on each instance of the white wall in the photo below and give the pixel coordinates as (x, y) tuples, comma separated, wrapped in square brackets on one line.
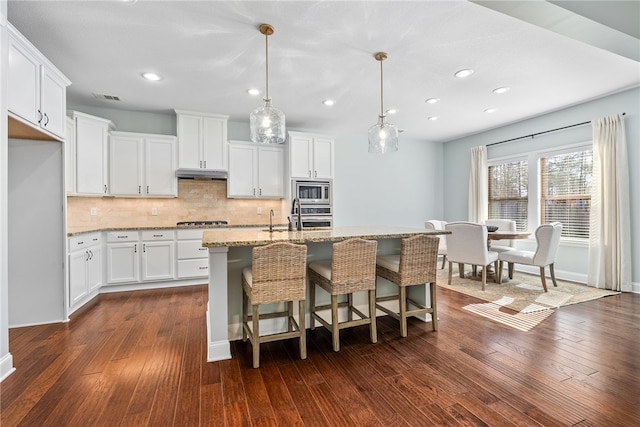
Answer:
[(402, 188), (572, 259)]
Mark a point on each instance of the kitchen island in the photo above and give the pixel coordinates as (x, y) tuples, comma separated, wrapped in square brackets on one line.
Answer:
[(230, 251)]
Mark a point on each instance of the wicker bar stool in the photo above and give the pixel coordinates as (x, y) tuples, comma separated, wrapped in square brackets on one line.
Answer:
[(277, 274), (416, 265), (352, 268)]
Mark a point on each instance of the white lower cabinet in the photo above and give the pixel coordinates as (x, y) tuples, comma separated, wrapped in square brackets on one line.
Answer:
[(193, 259), (158, 255), (123, 261), (85, 267), (127, 251)]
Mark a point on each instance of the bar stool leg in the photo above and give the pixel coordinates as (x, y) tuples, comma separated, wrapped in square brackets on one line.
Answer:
[(256, 336), (372, 316), (434, 307), (245, 316), (402, 302), (349, 305), (290, 316), (335, 330), (303, 330)]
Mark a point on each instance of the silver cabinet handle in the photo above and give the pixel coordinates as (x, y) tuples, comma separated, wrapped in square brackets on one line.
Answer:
[(41, 116), (309, 173), (86, 258), (315, 174), (139, 189), (260, 192), (47, 119), (254, 191), (90, 254), (135, 248), (147, 189), (144, 247), (105, 189)]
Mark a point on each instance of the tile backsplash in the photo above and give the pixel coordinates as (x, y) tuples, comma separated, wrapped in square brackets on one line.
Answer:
[(197, 200)]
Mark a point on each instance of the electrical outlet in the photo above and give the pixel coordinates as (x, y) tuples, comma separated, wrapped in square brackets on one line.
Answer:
[(154, 211), (259, 211), (94, 211)]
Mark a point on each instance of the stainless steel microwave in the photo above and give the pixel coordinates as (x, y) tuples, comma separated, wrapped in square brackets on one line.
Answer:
[(313, 192)]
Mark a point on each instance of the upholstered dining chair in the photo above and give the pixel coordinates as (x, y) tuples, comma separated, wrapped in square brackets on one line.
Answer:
[(416, 265), (506, 245), (352, 268), (467, 244), (436, 224), (277, 274), (548, 240)]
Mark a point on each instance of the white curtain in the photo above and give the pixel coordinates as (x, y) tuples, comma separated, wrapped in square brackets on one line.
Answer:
[(610, 225), (478, 185)]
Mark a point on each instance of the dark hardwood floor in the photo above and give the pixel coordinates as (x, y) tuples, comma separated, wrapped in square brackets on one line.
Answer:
[(138, 358)]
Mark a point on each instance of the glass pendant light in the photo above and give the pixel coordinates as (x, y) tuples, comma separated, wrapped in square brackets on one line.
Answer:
[(383, 136), (267, 123)]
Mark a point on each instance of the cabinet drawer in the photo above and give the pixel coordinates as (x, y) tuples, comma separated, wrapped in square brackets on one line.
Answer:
[(151, 235), (122, 236), (188, 268), (191, 234), (192, 249), (84, 241)]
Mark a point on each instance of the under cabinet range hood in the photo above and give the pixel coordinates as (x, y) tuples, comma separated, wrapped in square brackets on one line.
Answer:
[(201, 173)]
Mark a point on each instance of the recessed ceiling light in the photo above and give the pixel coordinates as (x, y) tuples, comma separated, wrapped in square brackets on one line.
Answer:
[(253, 92), (432, 100), (329, 102), (433, 118), (464, 73), (151, 76), (392, 111), (490, 110), (500, 90)]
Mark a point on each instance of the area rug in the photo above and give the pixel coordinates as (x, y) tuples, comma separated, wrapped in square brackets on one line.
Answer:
[(521, 302)]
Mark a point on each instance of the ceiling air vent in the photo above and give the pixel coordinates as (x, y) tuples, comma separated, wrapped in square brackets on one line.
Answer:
[(107, 97)]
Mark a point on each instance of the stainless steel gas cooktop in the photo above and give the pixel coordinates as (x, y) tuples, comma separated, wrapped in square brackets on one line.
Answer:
[(200, 223)]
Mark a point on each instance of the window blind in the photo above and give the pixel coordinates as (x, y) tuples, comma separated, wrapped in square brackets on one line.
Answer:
[(508, 192), (566, 181)]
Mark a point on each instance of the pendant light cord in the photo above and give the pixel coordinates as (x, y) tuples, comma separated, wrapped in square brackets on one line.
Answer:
[(266, 45), (381, 92)]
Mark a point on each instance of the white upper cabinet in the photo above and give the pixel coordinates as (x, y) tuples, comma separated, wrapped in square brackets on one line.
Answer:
[(311, 156), (142, 165), (36, 88), (202, 141), (255, 170), (91, 136)]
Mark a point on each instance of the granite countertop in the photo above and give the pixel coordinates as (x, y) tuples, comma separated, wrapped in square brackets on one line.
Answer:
[(248, 237), (75, 231)]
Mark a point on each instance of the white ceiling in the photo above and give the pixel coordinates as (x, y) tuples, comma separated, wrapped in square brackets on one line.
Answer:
[(210, 53)]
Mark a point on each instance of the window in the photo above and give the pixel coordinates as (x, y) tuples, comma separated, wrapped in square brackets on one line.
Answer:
[(565, 191), (508, 192)]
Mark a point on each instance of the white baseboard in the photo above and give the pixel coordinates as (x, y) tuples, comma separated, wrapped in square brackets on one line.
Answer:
[(6, 366)]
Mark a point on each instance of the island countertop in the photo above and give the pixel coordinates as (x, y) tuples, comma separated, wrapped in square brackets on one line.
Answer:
[(253, 237)]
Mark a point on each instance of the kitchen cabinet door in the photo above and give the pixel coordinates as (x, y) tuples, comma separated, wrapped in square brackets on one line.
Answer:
[(91, 149), (125, 160), (301, 152), (158, 260), (70, 157), (94, 268), (23, 86), (160, 166), (214, 143), (78, 287), (123, 263), (243, 164), (53, 102), (189, 137), (270, 171), (322, 158)]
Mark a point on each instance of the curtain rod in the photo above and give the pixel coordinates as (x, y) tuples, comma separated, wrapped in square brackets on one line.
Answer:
[(540, 133)]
